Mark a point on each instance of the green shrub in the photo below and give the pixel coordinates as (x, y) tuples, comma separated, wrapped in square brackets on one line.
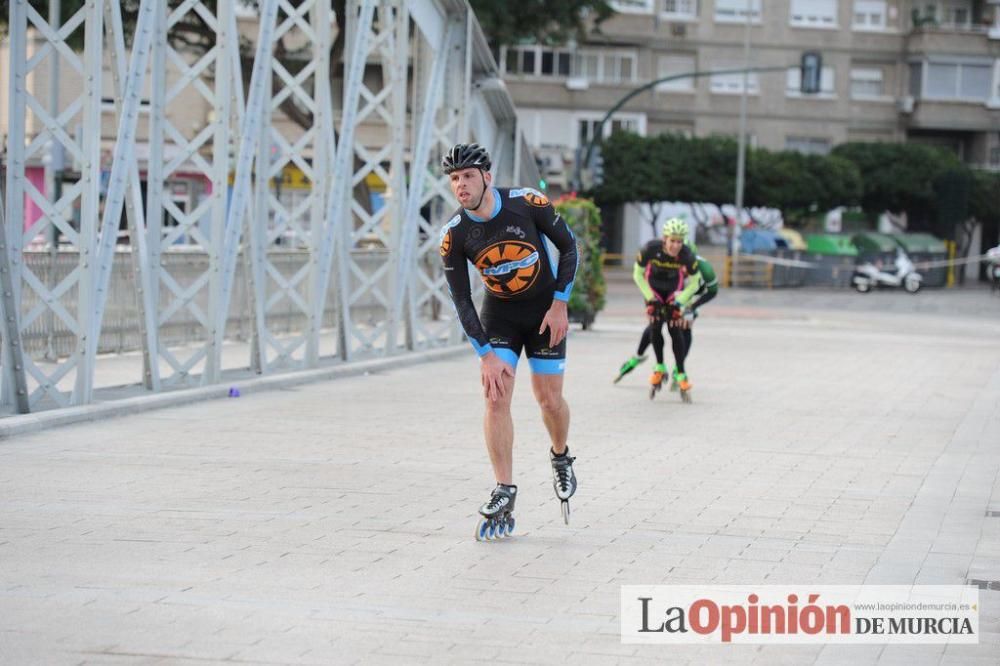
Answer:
[(584, 218)]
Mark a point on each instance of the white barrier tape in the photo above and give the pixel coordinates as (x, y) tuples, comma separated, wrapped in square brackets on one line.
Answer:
[(779, 261), (799, 263), (955, 262)]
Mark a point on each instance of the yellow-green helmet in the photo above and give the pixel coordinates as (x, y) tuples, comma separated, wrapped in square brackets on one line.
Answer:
[(675, 226)]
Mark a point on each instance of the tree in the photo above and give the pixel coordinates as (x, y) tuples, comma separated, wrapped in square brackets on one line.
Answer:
[(984, 209), (899, 177), (800, 184), (542, 21), (631, 173)]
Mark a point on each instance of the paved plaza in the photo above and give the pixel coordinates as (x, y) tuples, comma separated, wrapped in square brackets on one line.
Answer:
[(834, 439)]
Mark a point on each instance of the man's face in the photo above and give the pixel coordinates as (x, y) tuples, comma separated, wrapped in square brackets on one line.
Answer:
[(672, 245), (468, 184)]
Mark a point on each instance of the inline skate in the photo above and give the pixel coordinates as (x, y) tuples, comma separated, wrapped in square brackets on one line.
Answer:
[(563, 479), (497, 520), (628, 366)]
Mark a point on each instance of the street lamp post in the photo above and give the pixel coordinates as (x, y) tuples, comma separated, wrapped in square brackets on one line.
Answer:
[(741, 154)]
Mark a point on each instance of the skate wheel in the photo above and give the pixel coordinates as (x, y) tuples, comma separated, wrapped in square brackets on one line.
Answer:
[(565, 511), (686, 396), (510, 526), (482, 529)]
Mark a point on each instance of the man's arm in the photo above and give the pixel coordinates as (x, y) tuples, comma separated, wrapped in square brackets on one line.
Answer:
[(552, 225), (639, 277), (693, 283), (456, 272), (711, 284)]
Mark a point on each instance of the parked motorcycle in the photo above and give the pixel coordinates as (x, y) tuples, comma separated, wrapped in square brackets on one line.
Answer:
[(993, 267), (902, 273)]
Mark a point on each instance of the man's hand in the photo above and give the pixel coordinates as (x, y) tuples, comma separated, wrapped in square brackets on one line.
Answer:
[(491, 373), (557, 321), (652, 311)]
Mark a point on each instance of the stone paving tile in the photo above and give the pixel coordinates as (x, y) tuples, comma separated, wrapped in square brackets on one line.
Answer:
[(296, 527)]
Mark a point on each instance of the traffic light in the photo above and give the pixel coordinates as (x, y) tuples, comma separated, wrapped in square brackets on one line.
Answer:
[(542, 185), (811, 72), (597, 166)]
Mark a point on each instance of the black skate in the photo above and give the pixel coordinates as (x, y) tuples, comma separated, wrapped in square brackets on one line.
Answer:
[(498, 519), (563, 480)]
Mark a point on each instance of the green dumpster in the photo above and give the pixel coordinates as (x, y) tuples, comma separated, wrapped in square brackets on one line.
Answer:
[(837, 245)]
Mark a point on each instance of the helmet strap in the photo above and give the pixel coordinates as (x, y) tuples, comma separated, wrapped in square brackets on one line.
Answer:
[(481, 196)]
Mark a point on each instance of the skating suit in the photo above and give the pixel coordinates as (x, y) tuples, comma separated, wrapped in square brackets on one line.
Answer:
[(521, 274)]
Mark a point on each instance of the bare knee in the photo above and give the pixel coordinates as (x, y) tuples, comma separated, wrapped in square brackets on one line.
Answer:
[(549, 401), (500, 407)]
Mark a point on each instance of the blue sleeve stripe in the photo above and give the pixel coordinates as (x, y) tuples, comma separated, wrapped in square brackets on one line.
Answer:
[(482, 350), (564, 294), (553, 264)]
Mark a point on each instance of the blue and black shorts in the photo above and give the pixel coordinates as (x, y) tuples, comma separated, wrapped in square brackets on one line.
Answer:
[(513, 325)]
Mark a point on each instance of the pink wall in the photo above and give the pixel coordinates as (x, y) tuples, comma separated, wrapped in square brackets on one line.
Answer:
[(32, 213)]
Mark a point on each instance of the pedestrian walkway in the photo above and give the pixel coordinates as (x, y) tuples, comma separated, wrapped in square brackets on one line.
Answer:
[(831, 441)]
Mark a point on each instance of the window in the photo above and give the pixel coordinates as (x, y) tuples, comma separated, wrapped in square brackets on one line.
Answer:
[(680, 9), (735, 11), (952, 13), (814, 13), (974, 81), (537, 61), (808, 145), (957, 14), (869, 15), (732, 84), (950, 80), (995, 156), (793, 85), (670, 65), (606, 67), (866, 83), (916, 79), (632, 6)]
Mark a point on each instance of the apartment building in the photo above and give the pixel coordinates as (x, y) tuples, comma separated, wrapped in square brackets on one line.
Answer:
[(893, 70)]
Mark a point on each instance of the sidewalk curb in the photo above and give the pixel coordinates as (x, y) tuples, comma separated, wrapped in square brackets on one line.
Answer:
[(30, 423)]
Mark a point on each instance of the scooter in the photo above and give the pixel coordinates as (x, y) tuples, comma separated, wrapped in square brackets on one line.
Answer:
[(993, 267), (901, 274)]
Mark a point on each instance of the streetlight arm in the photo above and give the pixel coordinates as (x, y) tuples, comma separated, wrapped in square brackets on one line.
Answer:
[(598, 131)]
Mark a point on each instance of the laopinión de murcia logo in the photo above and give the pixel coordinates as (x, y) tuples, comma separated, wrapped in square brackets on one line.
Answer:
[(781, 614)]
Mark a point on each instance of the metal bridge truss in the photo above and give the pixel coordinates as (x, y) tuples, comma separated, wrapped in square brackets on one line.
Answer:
[(354, 278)]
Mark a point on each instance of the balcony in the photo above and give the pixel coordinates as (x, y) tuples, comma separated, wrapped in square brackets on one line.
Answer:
[(958, 30)]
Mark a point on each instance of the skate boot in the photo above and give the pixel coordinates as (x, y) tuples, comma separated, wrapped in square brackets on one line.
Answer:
[(656, 379), (674, 384), (628, 366), (497, 519), (563, 480), (685, 386)]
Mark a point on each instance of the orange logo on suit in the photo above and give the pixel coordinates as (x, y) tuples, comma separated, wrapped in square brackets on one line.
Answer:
[(446, 244), (537, 199), (508, 267)]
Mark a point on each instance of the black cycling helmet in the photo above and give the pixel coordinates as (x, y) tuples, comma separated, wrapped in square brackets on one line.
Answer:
[(466, 156)]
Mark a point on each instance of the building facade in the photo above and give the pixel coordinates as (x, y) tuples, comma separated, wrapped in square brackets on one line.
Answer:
[(892, 70)]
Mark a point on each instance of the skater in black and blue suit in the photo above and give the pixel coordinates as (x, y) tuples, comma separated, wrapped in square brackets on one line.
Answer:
[(502, 233)]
